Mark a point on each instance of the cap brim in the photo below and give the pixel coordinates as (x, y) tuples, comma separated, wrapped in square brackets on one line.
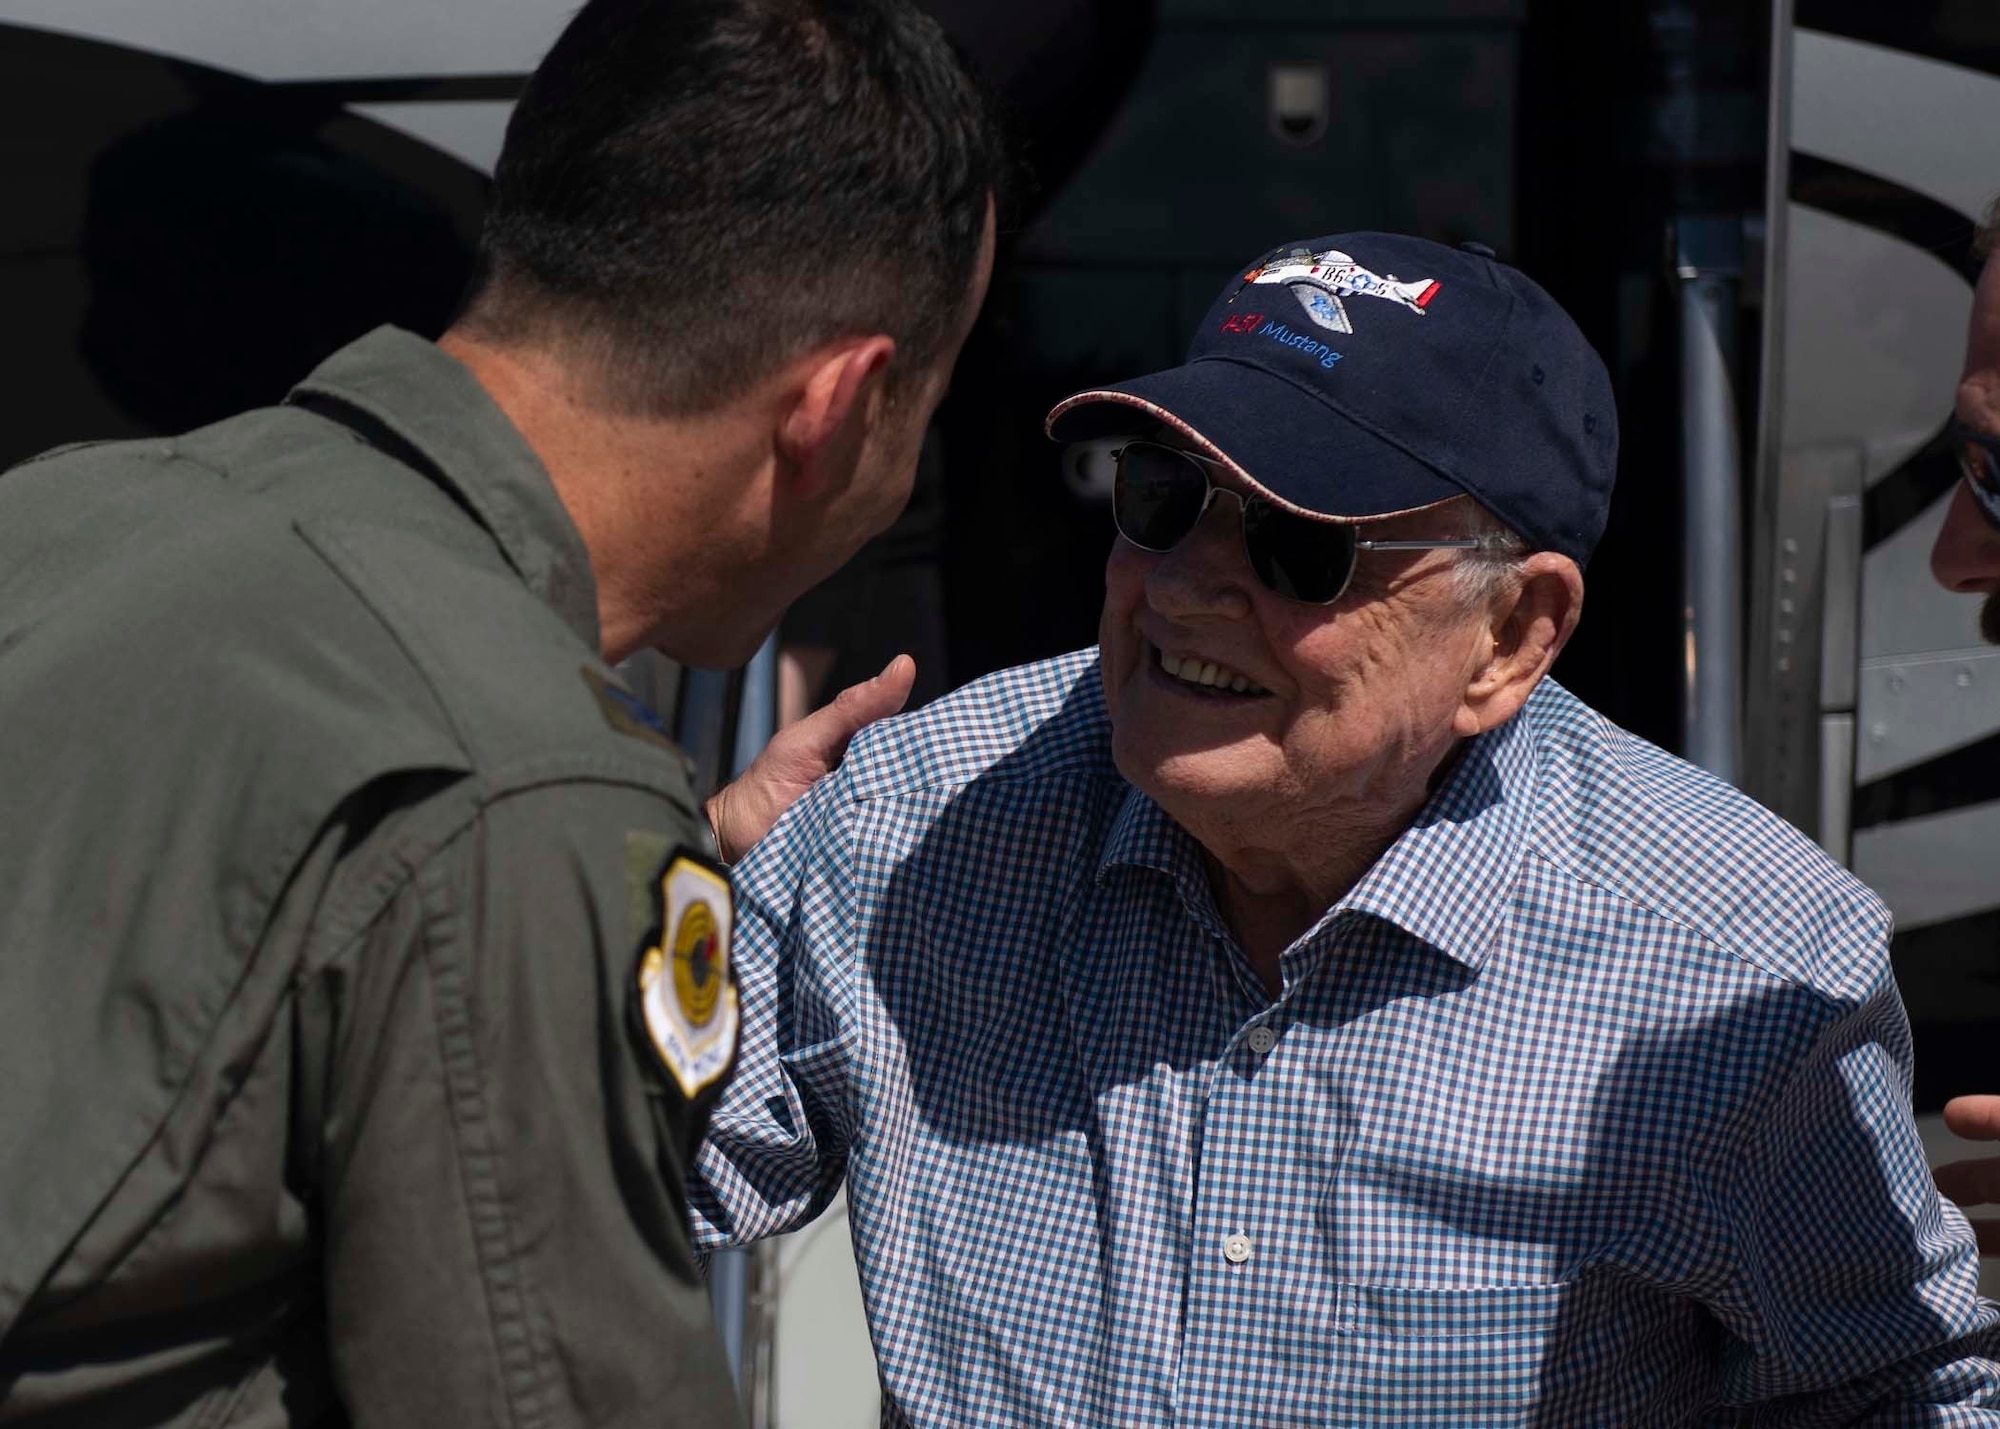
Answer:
[(1295, 447)]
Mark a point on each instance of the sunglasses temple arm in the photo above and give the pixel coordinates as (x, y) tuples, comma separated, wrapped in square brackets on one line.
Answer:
[(1465, 543)]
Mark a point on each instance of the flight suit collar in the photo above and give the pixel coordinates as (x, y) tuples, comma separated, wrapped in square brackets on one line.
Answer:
[(461, 439)]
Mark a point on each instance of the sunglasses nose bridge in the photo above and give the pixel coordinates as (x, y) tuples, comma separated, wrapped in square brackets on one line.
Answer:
[(1215, 494)]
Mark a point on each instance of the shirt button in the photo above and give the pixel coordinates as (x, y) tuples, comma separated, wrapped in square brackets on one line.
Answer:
[(1236, 1249), (1262, 1040)]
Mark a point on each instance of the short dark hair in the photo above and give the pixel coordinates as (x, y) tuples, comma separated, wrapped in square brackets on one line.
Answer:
[(702, 189)]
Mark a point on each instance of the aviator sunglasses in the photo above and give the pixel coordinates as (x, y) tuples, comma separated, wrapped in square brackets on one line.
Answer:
[(1979, 463), (1161, 493)]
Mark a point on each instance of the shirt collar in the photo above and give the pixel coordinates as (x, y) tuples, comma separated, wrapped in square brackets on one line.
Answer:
[(1445, 880), (429, 401), (1142, 836)]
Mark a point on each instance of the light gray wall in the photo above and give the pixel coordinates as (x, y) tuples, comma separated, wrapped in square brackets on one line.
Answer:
[(316, 39)]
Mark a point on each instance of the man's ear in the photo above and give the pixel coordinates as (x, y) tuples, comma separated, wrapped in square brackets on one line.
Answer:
[(831, 404), (1528, 628)]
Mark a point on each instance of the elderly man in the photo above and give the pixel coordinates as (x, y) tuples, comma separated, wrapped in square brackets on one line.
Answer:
[(1967, 558), (1299, 1010)]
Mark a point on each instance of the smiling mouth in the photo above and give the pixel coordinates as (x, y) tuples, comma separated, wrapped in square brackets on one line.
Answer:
[(1208, 676)]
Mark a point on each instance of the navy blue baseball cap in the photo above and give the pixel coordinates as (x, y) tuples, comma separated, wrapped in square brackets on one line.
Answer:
[(1369, 374)]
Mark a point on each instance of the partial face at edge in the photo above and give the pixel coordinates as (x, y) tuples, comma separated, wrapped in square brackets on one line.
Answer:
[(1966, 556), (887, 466), (811, 542)]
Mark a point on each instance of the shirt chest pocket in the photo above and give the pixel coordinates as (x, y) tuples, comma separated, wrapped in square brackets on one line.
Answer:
[(1461, 1356)]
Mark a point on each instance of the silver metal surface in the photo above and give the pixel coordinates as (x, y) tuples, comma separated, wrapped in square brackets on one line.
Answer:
[(729, 1274), (1712, 544), (735, 1277), (1836, 785), (757, 715), (722, 719), (1916, 708), (1776, 719), (1795, 634), (1840, 609)]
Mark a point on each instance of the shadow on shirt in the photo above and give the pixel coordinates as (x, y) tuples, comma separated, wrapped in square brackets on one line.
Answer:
[(1597, 1207)]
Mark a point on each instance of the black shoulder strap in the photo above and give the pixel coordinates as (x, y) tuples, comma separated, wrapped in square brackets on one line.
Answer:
[(383, 438), (370, 428)]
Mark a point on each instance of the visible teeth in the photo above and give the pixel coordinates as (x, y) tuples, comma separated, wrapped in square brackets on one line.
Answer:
[(1208, 673)]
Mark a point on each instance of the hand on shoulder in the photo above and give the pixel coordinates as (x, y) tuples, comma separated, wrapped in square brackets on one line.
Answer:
[(799, 755)]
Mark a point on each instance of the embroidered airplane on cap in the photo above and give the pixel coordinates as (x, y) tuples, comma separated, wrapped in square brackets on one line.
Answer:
[(1320, 280)]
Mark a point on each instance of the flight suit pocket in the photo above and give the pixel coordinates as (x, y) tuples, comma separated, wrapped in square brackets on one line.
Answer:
[(1463, 1356)]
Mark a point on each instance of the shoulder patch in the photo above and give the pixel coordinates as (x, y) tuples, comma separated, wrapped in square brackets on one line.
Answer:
[(626, 712), (682, 985)]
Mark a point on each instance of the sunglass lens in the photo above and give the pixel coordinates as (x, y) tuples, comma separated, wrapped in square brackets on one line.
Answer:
[(1978, 464), (1304, 560), (1157, 497)]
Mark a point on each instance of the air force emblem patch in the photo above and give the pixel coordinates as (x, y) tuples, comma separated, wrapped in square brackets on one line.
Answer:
[(687, 999)]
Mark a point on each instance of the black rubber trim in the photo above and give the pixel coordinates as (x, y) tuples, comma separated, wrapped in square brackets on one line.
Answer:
[(1937, 229), (1960, 32), (1887, 207), (1956, 779), (420, 89), (1907, 492)]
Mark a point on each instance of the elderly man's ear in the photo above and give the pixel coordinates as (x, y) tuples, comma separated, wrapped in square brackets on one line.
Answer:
[(1528, 624)]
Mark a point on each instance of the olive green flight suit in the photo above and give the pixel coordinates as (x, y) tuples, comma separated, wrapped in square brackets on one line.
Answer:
[(327, 858)]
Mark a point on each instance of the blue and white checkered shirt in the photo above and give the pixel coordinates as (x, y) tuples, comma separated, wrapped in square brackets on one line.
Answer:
[(1588, 1105)]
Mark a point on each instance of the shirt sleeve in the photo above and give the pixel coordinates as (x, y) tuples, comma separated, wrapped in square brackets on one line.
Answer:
[(1856, 1298), (505, 1227), (777, 1145)]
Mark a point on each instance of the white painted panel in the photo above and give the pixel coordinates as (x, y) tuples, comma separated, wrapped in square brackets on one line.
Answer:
[(1916, 709), (470, 131), (823, 1372), (1874, 337), (1903, 611), (1860, 105), (316, 39), (1931, 869)]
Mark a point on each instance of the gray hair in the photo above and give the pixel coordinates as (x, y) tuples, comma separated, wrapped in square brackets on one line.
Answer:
[(1986, 237), (1484, 571)]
